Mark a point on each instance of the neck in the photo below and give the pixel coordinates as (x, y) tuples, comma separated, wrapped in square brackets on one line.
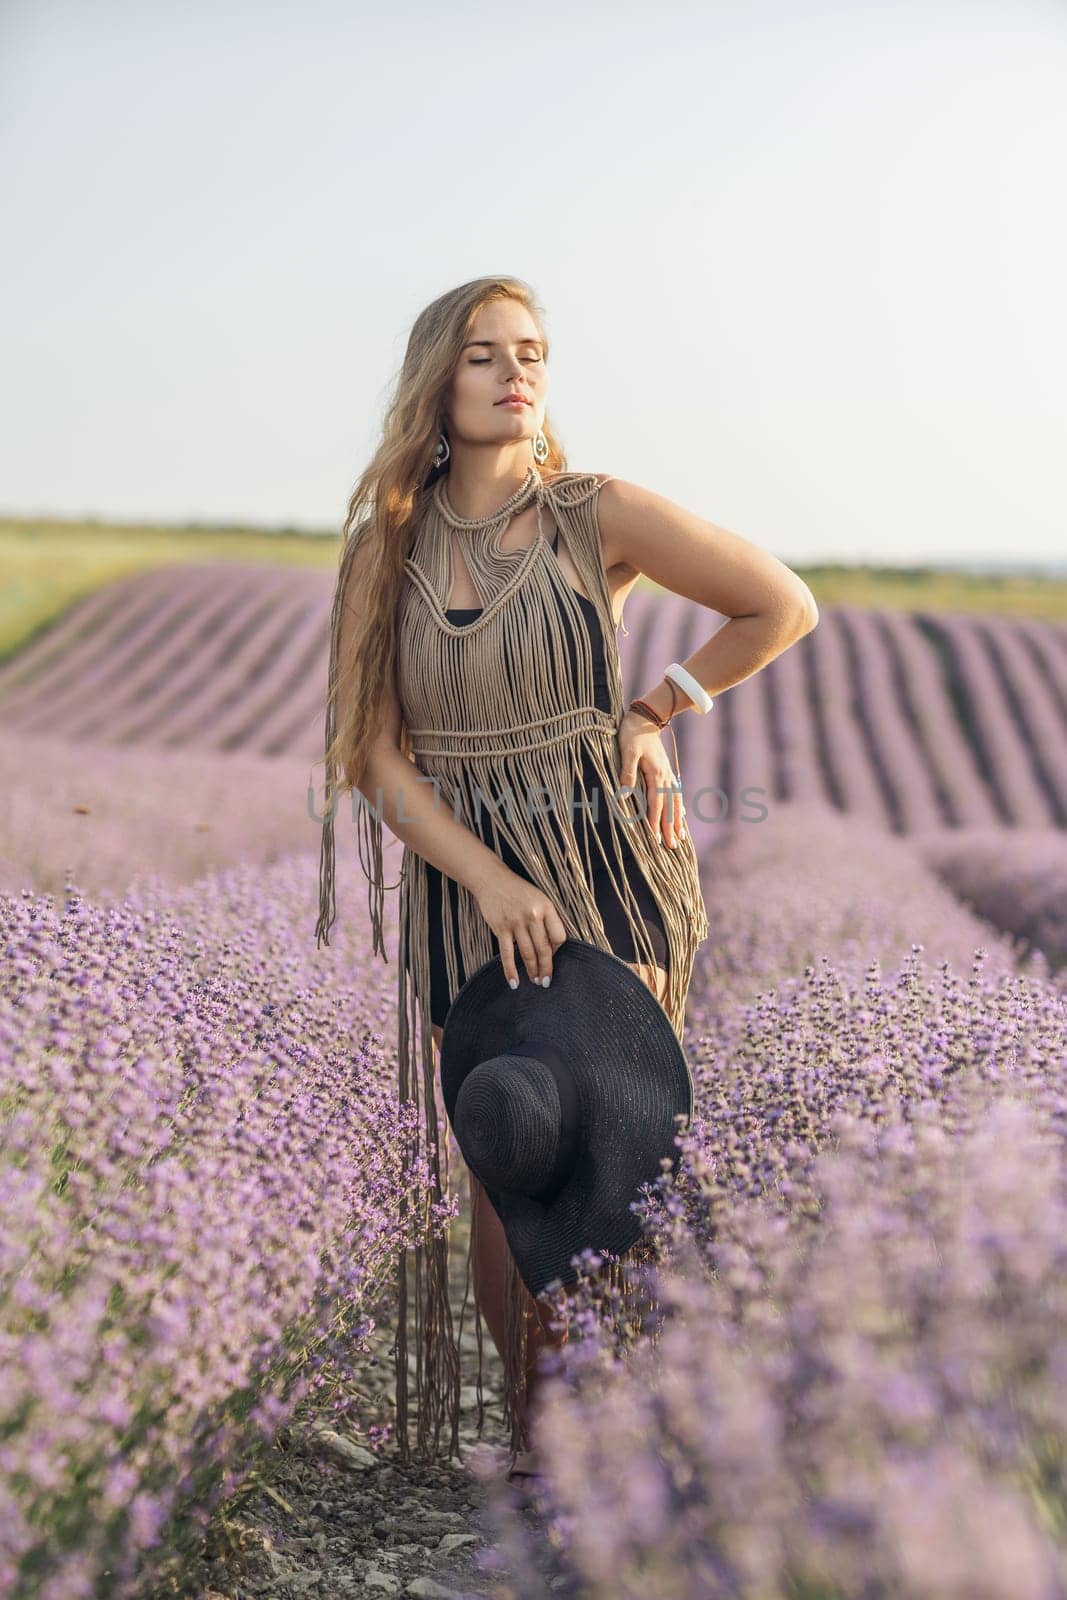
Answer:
[(477, 491)]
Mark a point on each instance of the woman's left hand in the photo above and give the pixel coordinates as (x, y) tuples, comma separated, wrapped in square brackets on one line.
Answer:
[(641, 749)]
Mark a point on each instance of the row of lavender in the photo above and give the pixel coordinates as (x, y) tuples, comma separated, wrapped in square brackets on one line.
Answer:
[(201, 1196), (912, 721), (200, 1204), (229, 658), (848, 1378)]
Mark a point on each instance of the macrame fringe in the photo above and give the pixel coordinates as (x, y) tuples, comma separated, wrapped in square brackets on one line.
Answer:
[(368, 820), (492, 709)]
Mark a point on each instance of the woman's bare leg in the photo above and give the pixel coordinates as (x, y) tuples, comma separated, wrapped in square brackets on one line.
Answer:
[(491, 1253), (490, 1263)]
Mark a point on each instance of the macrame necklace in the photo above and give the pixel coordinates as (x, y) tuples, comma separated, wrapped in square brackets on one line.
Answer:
[(491, 569), (501, 516)]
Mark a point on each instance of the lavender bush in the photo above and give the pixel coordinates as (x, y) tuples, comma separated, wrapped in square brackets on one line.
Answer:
[(852, 1382), (200, 1195), (811, 882)]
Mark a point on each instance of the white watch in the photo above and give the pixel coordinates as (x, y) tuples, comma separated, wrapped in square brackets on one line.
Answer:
[(702, 701)]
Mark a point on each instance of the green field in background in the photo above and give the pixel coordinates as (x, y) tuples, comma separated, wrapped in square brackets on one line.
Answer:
[(46, 564)]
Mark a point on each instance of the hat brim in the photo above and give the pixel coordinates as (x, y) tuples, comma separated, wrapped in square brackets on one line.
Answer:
[(632, 1081)]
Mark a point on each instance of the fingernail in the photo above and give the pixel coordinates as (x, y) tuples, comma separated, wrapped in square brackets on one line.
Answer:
[(545, 982), (513, 983)]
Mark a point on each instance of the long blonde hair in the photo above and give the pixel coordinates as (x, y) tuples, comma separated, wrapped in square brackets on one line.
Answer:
[(383, 513)]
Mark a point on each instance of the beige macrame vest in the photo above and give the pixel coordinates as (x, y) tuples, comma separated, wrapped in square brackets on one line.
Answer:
[(494, 714)]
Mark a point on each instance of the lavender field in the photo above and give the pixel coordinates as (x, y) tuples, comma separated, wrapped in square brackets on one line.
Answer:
[(847, 1377), (912, 721)]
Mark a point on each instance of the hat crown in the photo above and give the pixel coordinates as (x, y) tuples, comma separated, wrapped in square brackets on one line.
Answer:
[(512, 1126)]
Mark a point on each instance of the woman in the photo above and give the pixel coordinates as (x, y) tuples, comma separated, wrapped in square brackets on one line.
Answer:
[(472, 635)]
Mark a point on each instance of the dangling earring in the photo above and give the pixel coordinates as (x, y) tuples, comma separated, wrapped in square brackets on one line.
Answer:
[(540, 447), (442, 453)]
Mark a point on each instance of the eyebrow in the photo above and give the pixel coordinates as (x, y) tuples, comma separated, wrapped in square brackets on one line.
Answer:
[(493, 341)]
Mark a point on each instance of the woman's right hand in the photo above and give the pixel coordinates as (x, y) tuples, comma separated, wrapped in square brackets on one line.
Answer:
[(521, 915)]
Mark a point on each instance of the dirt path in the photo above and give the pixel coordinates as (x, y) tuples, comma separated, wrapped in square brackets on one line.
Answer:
[(356, 1522)]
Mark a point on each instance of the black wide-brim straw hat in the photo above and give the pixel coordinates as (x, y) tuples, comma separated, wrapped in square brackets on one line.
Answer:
[(563, 1102)]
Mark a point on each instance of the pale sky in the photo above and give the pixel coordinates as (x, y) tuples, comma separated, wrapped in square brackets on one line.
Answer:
[(802, 264)]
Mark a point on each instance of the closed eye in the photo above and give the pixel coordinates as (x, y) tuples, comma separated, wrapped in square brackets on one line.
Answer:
[(481, 361)]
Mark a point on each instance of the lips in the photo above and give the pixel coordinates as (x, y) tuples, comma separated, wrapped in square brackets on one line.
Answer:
[(514, 399)]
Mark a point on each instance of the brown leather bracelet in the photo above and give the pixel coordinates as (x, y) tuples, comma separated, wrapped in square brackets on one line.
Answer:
[(646, 710), (644, 707)]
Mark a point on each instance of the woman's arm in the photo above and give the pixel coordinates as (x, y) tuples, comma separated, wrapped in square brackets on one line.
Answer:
[(518, 913), (768, 608)]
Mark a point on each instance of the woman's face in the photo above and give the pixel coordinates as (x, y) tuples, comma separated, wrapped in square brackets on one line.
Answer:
[(503, 355)]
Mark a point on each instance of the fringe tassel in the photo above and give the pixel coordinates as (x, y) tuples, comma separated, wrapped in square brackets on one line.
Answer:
[(368, 819)]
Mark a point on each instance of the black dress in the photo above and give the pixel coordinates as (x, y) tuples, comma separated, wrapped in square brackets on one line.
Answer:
[(608, 903)]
